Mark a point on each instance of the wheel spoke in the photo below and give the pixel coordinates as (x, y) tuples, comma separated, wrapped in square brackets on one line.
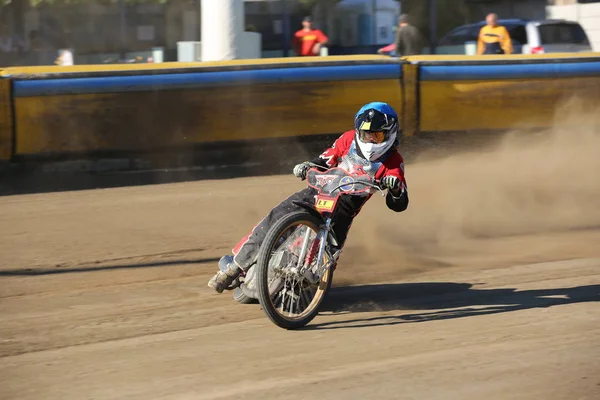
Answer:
[(289, 297), (299, 299), (290, 301), (295, 297), (277, 298), (282, 301)]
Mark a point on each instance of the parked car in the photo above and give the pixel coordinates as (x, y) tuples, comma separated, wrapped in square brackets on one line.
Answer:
[(528, 37)]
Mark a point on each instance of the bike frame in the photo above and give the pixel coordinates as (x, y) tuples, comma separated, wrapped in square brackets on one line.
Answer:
[(324, 232), (303, 267), (325, 206)]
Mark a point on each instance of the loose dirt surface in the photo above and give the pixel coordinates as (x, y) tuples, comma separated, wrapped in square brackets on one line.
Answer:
[(488, 286)]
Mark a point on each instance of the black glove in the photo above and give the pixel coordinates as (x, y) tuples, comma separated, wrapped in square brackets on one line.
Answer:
[(392, 183)]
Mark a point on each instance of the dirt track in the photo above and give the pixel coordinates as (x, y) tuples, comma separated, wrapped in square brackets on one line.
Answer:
[(475, 292)]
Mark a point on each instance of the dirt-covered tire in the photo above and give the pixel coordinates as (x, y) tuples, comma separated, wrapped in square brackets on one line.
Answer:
[(240, 297), (262, 273)]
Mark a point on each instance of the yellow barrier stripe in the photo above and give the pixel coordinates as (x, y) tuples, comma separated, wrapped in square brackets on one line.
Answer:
[(507, 57), (182, 65)]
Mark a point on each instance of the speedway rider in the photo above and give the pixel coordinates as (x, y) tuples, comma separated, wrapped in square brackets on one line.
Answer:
[(371, 147)]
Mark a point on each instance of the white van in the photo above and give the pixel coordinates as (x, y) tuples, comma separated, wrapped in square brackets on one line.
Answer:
[(528, 37)]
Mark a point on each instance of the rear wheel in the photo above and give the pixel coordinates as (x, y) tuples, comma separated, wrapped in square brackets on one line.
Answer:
[(291, 301), (240, 297)]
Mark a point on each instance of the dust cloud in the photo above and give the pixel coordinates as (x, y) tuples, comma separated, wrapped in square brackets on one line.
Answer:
[(514, 199)]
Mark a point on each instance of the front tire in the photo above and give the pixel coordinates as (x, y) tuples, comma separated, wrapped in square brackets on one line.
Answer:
[(275, 309)]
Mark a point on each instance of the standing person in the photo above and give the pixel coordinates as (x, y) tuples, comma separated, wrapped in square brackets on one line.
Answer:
[(409, 41), (308, 41), (493, 38)]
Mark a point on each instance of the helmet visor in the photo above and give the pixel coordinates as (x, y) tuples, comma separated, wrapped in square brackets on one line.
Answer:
[(371, 136)]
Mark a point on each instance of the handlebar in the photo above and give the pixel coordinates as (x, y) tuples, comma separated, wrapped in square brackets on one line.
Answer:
[(322, 168), (375, 185)]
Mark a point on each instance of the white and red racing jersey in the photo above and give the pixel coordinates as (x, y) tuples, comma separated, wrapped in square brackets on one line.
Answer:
[(343, 154)]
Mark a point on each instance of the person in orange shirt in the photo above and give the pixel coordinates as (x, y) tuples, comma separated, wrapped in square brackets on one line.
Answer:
[(493, 38), (308, 41)]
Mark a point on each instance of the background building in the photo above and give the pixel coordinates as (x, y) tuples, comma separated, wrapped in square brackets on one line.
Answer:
[(32, 31)]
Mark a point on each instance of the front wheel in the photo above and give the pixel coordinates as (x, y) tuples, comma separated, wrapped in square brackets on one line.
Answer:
[(291, 301)]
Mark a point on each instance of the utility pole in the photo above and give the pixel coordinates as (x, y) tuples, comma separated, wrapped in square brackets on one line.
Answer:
[(374, 12), (19, 7), (123, 29), (222, 24), (285, 28), (432, 26)]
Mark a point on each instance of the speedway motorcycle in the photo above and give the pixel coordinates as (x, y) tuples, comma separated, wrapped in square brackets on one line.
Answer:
[(295, 264)]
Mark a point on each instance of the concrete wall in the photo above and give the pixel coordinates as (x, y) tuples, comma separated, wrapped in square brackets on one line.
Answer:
[(149, 111), (163, 107)]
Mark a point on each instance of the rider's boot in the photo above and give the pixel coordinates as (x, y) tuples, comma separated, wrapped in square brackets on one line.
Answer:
[(228, 272)]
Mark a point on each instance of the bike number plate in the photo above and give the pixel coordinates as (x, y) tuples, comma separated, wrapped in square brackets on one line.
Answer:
[(325, 204)]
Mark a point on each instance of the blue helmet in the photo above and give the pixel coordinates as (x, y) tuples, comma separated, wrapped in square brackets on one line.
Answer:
[(376, 126), (383, 108)]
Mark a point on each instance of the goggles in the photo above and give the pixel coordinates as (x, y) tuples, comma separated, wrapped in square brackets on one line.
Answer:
[(371, 136)]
